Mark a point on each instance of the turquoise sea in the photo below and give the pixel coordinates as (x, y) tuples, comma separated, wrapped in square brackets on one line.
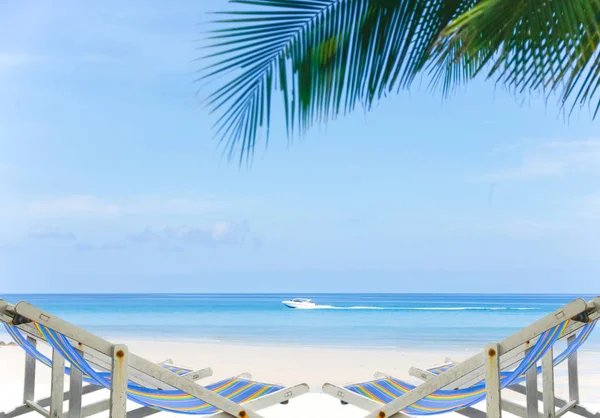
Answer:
[(358, 320)]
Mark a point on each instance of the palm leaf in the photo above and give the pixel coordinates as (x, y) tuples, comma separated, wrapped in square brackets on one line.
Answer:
[(528, 45), (325, 57)]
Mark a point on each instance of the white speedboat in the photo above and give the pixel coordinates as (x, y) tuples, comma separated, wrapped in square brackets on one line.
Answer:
[(299, 303)]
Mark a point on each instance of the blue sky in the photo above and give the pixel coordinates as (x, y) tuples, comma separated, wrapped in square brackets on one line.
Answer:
[(110, 179)]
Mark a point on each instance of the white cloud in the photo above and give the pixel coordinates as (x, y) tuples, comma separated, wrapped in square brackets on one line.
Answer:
[(51, 234), (221, 230), (76, 205), (553, 159), (106, 246), (94, 206), (208, 235), (150, 204)]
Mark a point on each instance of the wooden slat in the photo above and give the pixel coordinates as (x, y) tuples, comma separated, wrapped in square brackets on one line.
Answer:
[(567, 408), (118, 383), (532, 390), (57, 385), (75, 392), (493, 398), (548, 384), (29, 385), (573, 376), (37, 408)]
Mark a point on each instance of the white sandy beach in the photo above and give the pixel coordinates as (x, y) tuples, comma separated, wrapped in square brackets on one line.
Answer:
[(286, 365)]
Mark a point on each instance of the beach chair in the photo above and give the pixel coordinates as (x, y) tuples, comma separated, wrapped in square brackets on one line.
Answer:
[(27, 337), (576, 336), (457, 387), (102, 364)]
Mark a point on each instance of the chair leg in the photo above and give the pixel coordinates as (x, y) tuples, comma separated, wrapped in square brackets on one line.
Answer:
[(573, 375), (29, 387), (75, 392), (57, 385), (531, 384), (548, 384)]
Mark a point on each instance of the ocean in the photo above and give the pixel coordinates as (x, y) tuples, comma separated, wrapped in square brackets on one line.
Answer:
[(431, 321)]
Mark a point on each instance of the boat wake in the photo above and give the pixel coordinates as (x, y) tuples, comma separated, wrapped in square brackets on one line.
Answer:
[(383, 308)]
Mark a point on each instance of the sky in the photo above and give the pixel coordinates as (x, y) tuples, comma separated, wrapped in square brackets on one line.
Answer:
[(111, 180)]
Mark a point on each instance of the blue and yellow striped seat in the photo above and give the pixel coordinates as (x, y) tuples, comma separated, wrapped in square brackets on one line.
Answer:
[(388, 389), (20, 340), (579, 340), (236, 389)]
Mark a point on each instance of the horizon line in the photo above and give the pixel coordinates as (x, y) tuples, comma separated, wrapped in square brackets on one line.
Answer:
[(300, 293)]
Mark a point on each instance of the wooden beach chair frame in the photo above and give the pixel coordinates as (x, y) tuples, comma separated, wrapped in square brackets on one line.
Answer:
[(100, 362), (487, 366), (530, 388), (124, 366)]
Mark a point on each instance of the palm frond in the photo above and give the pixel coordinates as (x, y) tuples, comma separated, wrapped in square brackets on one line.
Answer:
[(325, 57), (527, 45)]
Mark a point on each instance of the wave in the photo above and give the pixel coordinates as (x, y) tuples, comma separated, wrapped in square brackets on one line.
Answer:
[(382, 308), (475, 308)]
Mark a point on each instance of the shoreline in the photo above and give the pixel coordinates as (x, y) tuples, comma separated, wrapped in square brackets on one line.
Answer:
[(428, 346)]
